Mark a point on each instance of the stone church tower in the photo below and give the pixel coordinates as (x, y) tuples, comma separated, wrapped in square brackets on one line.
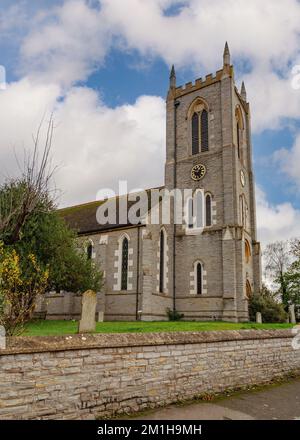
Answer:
[(208, 133), (205, 270)]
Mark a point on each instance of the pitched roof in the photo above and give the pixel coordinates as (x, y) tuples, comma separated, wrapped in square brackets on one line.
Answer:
[(83, 218)]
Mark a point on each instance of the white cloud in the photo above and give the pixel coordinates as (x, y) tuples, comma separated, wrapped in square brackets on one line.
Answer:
[(22, 106), (276, 222), (65, 43), (99, 146), (289, 161), (94, 146), (273, 100), (264, 35), (198, 32)]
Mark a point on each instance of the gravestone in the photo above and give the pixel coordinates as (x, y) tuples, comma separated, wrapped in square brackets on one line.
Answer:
[(292, 314), (2, 338), (87, 324), (258, 318), (100, 316)]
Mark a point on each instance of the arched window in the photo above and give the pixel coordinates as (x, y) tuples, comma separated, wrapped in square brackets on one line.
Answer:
[(90, 250), (161, 261), (247, 251), (208, 210), (199, 280), (238, 140), (204, 131), (248, 289), (124, 267), (242, 210), (246, 216), (199, 209), (198, 117), (190, 213), (195, 133), (239, 132), (195, 210)]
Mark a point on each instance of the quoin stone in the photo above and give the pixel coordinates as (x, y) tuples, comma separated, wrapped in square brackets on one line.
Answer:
[(87, 323)]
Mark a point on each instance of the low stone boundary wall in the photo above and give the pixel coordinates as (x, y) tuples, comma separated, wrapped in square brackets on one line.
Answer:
[(82, 377)]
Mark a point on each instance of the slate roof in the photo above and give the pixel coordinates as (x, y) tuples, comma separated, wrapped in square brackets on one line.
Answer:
[(82, 218)]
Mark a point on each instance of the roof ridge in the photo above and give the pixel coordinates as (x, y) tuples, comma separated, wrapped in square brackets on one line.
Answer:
[(86, 204)]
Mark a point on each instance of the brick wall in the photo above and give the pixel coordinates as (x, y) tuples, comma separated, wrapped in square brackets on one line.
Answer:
[(101, 375)]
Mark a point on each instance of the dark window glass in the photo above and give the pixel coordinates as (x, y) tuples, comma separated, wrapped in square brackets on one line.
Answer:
[(90, 251), (199, 279), (195, 133), (161, 261), (190, 213), (208, 210), (124, 264), (204, 131), (238, 139)]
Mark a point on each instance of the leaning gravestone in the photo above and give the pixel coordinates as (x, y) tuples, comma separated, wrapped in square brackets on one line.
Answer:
[(258, 318), (87, 324), (292, 314)]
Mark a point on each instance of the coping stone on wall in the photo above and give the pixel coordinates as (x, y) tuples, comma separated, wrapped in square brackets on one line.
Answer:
[(38, 344)]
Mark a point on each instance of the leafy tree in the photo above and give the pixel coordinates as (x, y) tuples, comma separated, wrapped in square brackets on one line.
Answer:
[(38, 250), (19, 288), (292, 280), (55, 245), (292, 275), (266, 304)]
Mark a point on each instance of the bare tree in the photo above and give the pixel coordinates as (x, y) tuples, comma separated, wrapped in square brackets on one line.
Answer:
[(19, 198), (295, 247), (277, 260)]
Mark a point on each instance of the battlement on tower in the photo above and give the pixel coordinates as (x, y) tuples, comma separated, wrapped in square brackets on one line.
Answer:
[(200, 83)]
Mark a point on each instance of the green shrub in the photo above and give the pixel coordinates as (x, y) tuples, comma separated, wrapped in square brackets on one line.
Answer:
[(173, 315), (270, 309)]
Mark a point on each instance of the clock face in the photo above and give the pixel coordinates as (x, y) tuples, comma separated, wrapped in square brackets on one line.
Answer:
[(198, 172), (243, 178)]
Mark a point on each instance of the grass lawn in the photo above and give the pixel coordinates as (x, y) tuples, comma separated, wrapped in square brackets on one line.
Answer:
[(49, 328)]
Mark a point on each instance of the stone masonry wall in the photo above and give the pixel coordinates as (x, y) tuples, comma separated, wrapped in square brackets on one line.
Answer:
[(102, 375), (63, 305)]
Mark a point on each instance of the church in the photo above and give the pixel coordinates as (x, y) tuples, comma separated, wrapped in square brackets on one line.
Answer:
[(205, 273)]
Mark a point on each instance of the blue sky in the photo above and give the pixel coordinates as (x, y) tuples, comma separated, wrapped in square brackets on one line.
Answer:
[(104, 73), (122, 81)]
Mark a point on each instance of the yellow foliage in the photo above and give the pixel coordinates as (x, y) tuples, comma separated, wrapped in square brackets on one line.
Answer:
[(18, 290)]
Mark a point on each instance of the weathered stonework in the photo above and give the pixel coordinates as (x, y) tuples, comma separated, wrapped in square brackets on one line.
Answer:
[(104, 375), (230, 276)]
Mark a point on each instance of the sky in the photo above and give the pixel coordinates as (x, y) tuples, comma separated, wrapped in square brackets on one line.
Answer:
[(101, 67)]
